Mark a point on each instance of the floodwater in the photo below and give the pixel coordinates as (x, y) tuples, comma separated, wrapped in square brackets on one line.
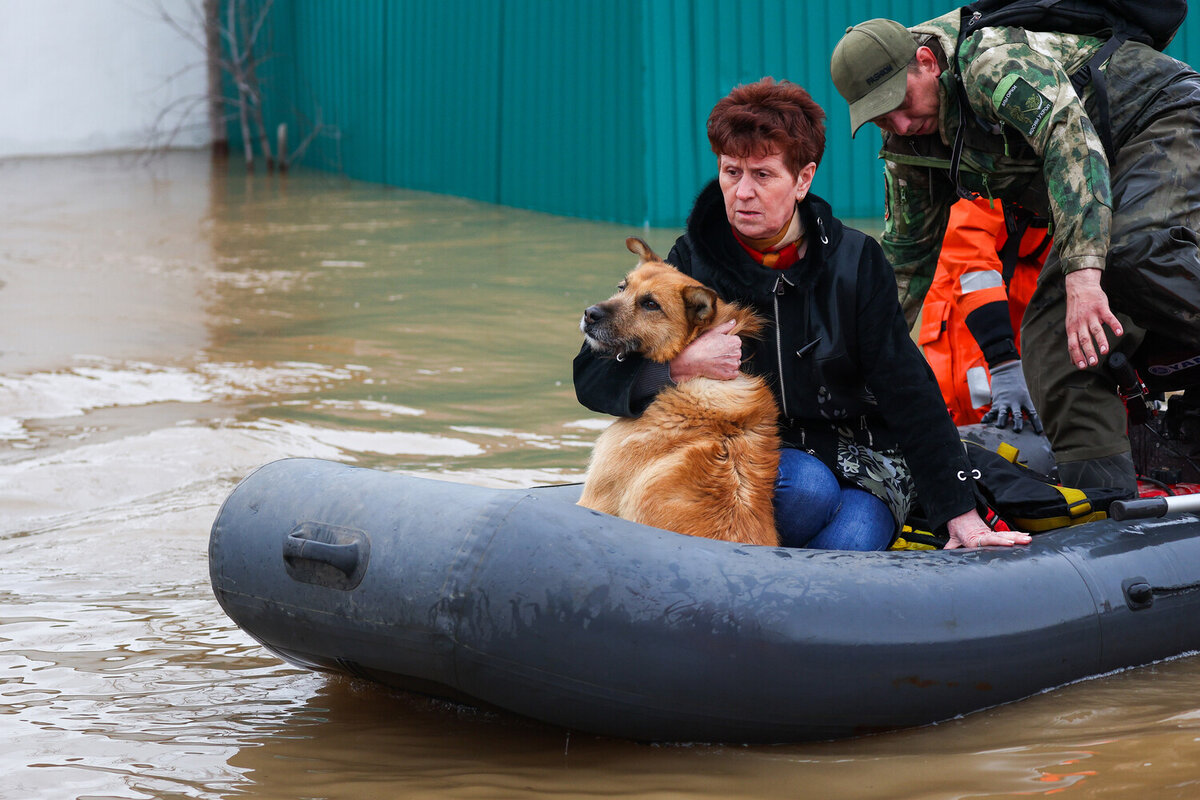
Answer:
[(168, 327)]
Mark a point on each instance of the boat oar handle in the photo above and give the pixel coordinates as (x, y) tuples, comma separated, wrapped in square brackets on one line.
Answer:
[(1138, 509), (1147, 507)]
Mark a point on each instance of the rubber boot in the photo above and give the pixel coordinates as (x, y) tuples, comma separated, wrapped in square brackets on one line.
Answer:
[(1110, 471)]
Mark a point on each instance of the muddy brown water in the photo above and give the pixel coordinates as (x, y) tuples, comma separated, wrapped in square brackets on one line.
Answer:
[(168, 327)]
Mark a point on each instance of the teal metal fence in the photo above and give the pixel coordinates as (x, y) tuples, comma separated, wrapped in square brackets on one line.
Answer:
[(591, 108)]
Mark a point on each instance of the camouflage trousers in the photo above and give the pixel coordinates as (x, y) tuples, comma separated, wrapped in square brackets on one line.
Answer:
[(1152, 277)]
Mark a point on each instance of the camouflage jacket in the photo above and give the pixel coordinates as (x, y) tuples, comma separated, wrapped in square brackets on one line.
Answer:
[(1032, 143)]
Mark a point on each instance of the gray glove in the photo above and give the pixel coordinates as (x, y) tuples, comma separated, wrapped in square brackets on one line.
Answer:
[(1010, 397)]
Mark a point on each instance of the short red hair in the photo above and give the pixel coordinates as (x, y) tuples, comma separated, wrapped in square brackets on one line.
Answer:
[(764, 118)]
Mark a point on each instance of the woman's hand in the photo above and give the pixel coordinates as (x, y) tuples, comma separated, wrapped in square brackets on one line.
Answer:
[(1087, 314), (715, 354), (969, 530)]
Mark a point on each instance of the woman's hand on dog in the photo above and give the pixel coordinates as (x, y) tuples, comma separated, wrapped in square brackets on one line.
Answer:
[(969, 530), (715, 354)]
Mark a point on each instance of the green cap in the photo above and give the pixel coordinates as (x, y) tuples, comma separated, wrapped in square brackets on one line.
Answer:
[(870, 66)]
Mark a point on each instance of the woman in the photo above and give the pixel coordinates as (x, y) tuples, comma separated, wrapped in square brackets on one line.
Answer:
[(865, 429)]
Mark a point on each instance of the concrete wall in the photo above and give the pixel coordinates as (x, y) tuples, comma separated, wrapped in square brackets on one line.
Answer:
[(82, 76)]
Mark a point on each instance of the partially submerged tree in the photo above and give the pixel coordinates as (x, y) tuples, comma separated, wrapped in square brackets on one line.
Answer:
[(235, 42)]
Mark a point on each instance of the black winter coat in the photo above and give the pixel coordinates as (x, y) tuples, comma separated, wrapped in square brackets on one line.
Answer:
[(836, 353)]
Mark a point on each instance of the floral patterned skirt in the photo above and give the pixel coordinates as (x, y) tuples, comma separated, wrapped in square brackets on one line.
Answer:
[(883, 473)]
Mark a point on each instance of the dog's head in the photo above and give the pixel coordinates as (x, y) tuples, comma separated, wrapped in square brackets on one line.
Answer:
[(657, 311)]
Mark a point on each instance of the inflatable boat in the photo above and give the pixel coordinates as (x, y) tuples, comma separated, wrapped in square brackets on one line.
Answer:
[(522, 600)]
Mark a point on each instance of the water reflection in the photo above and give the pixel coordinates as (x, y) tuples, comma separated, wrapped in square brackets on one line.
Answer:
[(350, 739), (168, 329), (462, 313)]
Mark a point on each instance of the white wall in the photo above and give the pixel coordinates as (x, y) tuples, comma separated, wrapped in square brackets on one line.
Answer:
[(82, 76)]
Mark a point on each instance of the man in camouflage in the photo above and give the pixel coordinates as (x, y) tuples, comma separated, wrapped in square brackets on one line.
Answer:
[(1124, 233)]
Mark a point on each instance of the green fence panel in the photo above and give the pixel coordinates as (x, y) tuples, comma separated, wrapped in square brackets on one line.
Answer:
[(340, 58), (593, 108), (572, 117), (443, 85)]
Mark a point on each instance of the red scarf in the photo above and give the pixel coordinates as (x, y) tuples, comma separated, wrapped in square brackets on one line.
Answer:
[(776, 259)]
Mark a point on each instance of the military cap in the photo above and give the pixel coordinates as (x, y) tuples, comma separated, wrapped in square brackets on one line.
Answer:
[(870, 67)]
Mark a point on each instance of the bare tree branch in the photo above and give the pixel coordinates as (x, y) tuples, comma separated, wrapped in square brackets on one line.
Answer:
[(234, 46), (184, 30), (314, 130)]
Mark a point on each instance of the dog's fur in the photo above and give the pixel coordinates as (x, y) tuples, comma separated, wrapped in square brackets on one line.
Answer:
[(702, 458)]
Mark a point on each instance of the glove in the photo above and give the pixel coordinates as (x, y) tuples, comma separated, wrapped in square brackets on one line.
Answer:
[(1010, 397)]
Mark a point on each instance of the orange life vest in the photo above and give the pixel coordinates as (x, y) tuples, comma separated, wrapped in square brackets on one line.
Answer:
[(970, 275)]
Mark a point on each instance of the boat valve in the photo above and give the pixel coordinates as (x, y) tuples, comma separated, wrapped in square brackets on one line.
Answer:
[(1139, 593)]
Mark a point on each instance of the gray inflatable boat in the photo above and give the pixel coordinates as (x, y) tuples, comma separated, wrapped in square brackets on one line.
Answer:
[(522, 600)]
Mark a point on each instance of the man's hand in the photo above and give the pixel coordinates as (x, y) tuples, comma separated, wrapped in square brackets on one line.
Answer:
[(1087, 314), (969, 530), (715, 354), (1010, 398)]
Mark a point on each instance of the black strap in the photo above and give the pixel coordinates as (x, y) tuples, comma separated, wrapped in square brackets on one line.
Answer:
[(1091, 72), (967, 17), (1045, 243), (964, 108), (1018, 220)]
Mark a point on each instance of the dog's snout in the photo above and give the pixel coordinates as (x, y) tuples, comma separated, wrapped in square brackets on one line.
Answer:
[(594, 314)]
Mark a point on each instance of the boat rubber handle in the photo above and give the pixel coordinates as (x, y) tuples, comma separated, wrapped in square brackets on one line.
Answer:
[(343, 557)]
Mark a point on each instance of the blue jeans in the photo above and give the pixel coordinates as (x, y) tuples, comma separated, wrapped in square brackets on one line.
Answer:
[(812, 509)]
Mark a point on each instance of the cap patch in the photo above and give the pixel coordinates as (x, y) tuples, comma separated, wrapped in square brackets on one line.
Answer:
[(885, 71), (1021, 105)]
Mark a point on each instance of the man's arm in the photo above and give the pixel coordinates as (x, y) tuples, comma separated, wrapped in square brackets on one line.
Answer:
[(1031, 95)]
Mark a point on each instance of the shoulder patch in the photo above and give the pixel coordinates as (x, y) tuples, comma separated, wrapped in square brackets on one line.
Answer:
[(1020, 105)]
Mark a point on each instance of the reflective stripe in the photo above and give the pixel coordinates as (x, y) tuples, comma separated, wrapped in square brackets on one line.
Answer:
[(980, 279), (978, 386)]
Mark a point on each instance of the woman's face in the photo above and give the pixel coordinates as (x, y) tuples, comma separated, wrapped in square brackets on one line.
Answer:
[(760, 193)]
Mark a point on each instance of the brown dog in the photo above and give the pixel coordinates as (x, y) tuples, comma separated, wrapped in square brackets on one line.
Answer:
[(702, 458)]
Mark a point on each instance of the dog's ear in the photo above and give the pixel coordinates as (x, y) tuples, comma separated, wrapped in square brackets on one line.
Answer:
[(641, 250), (700, 302)]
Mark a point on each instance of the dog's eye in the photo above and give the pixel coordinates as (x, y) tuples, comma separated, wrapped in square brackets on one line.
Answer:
[(621, 286), (650, 304)]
